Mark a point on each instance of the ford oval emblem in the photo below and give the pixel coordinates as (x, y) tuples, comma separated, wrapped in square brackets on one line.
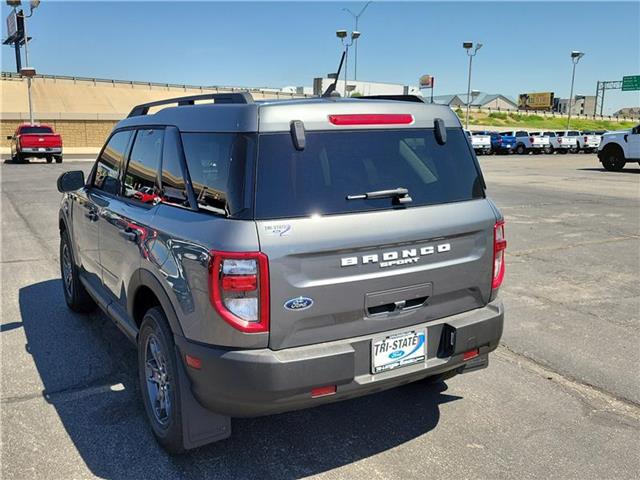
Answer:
[(299, 303), (396, 354)]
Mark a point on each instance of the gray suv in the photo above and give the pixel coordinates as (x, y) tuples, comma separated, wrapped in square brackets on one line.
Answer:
[(277, 255)]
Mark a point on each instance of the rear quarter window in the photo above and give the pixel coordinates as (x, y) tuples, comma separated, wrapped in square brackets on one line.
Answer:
[(317, 180), (220, 167)]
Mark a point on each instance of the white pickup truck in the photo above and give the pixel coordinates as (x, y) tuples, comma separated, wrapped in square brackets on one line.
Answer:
[(570, 137), (481, 143), (589, 141), (555, 142), (525, 142), (618, 148)]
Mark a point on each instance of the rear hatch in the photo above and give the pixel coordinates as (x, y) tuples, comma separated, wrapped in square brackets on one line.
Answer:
[(342, 268)]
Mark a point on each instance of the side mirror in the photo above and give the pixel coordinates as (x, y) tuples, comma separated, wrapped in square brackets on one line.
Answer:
[(9, 137), (70, 181)]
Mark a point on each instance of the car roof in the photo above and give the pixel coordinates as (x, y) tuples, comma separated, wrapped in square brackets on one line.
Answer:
[(276, 115)]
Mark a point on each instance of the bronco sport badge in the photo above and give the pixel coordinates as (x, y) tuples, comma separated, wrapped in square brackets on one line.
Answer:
[(392, 258)]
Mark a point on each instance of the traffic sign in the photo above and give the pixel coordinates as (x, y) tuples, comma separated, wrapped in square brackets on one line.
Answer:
[(631, 82)]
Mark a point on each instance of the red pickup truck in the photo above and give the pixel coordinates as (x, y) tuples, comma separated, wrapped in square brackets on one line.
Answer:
[(35, 140)]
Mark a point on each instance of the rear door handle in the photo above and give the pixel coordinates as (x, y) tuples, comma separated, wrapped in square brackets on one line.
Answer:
[(129, 234)]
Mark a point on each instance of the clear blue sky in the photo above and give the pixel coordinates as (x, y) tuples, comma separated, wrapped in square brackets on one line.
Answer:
[(526, 45)]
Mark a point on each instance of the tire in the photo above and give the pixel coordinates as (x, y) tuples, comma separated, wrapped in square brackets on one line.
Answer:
[(76, 296), (574, 150), (549, 150), (58, 158), (49, 159), (563, 151), (159, 381), (612, 160), (20, 158), (520, 150)]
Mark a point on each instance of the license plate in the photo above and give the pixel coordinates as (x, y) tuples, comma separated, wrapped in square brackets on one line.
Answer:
[(398, 350), (42, 149)]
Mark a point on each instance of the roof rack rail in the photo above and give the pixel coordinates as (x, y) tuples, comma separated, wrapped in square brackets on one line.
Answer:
[(398, 98), (236, 97)]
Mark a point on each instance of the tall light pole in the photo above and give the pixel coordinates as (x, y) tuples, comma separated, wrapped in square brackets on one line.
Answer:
[(471, 52), (26, 71), (342, 35), (357, 17), (575, 58)]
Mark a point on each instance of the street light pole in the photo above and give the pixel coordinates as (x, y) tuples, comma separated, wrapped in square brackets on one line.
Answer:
[(28, 71), (575, 58), (468, 46), (357, 17), (26, 62), (342, 35)]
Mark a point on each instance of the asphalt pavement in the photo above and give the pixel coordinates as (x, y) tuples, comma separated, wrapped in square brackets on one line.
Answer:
[(560, 399)]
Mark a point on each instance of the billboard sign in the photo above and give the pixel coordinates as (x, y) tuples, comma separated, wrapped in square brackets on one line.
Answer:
[(427, 81), (631, 82), (536, 101)]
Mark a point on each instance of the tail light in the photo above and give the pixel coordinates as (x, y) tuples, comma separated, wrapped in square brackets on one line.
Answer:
[(499, 246), (239, 289), (585, 139), (531, 139), (372, 119), (499, 140)]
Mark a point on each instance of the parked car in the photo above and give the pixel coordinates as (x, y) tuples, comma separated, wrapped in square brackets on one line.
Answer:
[(501, 143), (354, 251), (619, 148), (146, 195), (35, 141), (526, 143), (555, 143), (481, 142), (570, 138), (589, 140)]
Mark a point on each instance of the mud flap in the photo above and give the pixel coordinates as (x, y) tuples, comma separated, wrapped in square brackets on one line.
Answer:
[(200, 426)]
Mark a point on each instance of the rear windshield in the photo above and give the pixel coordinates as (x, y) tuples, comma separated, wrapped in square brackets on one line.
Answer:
[(317, 180), (35, 130)]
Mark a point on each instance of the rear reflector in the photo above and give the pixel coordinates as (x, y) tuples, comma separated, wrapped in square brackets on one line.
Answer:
[(372, 119), (323, 391), (193, 362), (470, 354)]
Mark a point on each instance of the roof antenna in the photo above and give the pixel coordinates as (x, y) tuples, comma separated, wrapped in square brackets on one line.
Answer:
[(331, 88)]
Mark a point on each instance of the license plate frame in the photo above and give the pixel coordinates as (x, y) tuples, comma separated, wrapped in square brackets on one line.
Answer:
[(410, 349)]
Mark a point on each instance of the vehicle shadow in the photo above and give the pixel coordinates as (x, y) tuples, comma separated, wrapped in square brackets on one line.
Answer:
[(88, 372), (595, 169)]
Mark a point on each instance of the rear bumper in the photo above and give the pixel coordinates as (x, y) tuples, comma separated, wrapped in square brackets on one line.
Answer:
[(42, 151), (246, 383)]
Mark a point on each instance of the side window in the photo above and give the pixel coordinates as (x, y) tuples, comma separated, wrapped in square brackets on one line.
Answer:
[(217, 164), (110, 163), (144, 161), (173, 189)]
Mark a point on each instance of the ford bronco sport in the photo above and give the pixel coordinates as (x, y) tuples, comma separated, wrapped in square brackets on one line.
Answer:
[(291, 253)]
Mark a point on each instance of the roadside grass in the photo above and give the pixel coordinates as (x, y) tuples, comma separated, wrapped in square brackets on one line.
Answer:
[(509, 119)]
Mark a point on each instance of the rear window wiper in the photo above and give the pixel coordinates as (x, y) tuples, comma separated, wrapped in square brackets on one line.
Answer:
[(399, 195)]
